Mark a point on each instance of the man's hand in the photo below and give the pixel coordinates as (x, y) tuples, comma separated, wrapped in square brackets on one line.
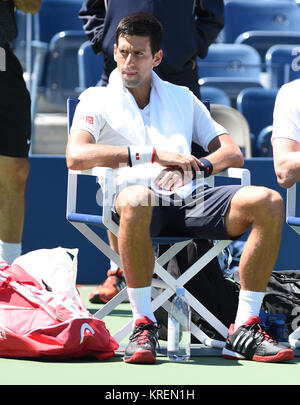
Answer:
[(187, 163), (180, 169), (170, 179), (28, 6)]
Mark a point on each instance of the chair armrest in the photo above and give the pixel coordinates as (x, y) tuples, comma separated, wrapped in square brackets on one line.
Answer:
[(105, 177), (39, 44), (94, 171), (291, 201), (237, 173)]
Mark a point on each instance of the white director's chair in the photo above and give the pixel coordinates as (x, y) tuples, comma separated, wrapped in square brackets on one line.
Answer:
[(83, 223), (294, 222)]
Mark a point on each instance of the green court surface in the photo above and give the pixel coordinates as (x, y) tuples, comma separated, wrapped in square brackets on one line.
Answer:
[(200, 371)]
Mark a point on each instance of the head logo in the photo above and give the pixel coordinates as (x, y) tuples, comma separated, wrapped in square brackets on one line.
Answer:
[(85, 330), (2, 335)]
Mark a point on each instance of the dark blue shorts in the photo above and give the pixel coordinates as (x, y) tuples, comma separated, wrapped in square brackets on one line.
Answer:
[(15, 121), (200, 217)]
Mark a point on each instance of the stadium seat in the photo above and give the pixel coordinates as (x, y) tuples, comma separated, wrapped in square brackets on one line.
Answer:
[(215, 95), (283, 64), (254, 15), (20, 43), (235, 124), (231, 68), (257, 105), (230, 60), (90, 66), (55, 16), (263, 143), (85, 222), (58, 34), (264, 40)]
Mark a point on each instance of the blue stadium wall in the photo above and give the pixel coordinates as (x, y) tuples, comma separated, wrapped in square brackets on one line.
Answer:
[(46, 225)]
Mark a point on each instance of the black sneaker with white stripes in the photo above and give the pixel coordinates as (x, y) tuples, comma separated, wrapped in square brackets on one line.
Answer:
[(251, 342)]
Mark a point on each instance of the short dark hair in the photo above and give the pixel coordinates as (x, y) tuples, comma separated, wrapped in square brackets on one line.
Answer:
[(141, 24)]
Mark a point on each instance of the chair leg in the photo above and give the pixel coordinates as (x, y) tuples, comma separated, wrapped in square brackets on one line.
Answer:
[(98, 242), (171, 283)]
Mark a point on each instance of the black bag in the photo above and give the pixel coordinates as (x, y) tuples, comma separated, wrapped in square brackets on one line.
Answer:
[(283, 297), (217, 294)]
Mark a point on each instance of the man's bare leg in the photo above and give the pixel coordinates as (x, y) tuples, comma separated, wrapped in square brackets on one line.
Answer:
[(137, 256), (14, 174), (260, 209), (135, 245)]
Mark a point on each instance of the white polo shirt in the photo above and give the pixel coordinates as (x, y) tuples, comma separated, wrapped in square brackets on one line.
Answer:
[(88, 117), (286, 117)]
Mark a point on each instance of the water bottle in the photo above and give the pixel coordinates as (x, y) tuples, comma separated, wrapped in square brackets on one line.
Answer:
[(179, 328)]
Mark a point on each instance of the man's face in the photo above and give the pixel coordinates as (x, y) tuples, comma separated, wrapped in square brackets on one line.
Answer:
[(135, 60)]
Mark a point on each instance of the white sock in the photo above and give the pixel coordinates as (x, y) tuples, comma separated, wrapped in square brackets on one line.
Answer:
[(113, 265), (249, 305), (9, 251), (140, 300)]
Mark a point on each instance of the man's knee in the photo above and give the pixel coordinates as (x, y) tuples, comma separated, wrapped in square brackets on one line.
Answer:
[(269, 204), (254, 205), (135, 203)]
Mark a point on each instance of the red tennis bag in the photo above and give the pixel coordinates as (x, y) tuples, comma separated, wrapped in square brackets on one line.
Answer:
[(34, 322)]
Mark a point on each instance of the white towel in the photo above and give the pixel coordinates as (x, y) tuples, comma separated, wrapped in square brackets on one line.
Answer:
[(170, 109)]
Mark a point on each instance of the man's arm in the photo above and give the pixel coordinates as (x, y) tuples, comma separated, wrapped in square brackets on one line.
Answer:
[(83, 153), (92, 14), (286, 154), (28, 6), (224, 153)]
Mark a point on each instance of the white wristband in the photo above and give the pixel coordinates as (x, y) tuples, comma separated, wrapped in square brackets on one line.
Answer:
[(141, 154)]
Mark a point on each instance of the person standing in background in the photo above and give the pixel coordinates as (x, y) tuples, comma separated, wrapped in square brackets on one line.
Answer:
[(15, 133)]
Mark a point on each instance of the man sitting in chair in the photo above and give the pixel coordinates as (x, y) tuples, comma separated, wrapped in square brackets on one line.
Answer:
[(286, 134), (143, 127)]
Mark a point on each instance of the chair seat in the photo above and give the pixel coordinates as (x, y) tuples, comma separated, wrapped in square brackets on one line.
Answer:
[(293, 221), (97, 220)]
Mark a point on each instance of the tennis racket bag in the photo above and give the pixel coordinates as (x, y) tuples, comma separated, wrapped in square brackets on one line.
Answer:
[(37, 323)]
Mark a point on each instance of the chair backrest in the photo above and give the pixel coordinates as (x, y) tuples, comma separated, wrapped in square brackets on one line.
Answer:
[(275, 15), (90, 66), (263, 145), (257, 105), (215, 95), (230, 60), (55, 16), (235, 124), (71, 107), (283, 64), (61, 75), (263, 40)]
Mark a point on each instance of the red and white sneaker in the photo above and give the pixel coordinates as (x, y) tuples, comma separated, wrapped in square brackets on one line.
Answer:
[(251, 342), (143, 341)]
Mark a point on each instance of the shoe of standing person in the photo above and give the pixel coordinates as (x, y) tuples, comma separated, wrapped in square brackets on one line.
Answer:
[(113, 284)]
